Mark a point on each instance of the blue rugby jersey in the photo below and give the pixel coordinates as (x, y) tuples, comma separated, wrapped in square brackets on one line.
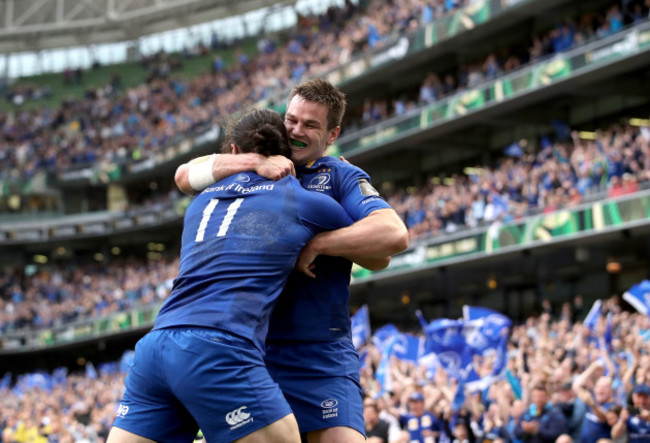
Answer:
[(592, 428), (316, 310), (241, 238)]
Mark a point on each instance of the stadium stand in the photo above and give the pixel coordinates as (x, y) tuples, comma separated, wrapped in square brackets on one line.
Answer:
[(518, 159)]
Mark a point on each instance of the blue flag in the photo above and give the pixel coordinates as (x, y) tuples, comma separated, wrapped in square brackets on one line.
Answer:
[(607, 337), (639, 297), (5, 383), (363, 358), (423, 321), (382, 374), (107, 368), (360, 326), (126, 360), (384, 335), (407, 347), (514, 150), (455, 343), (91, 372), (444, 338), (591, 320), (60, 376)]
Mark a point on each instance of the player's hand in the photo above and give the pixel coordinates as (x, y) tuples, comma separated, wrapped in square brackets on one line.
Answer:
[(275, 167), (343, 159), (305, 262)]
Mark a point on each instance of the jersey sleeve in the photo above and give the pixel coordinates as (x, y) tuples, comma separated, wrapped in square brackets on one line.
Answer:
[(356, 194), (318, 212)]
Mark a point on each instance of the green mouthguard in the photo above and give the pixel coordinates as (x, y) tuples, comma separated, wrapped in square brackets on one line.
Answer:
[(298, 144)]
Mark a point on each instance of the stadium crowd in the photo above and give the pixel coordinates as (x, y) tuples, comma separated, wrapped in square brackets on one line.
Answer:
[(111, 125), (560, 175), (567, 34), (562, 373), (59, 295)]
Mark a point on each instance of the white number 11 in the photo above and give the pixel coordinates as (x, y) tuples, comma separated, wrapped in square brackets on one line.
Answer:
[(225, 223)]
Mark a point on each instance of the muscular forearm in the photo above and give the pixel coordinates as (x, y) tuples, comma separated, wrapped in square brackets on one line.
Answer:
[(378, 236), (381, 234), (372, 264), (225, 165)]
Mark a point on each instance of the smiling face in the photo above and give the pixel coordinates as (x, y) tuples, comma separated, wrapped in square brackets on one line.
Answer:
[(306, 122)]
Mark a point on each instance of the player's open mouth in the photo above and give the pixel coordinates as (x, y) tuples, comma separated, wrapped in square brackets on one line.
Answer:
[(298, 144)]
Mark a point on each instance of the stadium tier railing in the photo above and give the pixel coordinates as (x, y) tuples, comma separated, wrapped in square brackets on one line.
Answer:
[(516, 87), (591, 219), (500, 238), (92, 224)]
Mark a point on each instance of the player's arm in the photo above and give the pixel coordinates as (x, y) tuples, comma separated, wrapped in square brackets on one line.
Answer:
[(372, 264), (201, 172), (375, 237)]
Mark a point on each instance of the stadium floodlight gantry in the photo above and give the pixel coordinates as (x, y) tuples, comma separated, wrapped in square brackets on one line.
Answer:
[(45, 24)]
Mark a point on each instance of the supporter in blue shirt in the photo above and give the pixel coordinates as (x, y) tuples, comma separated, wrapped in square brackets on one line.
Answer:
[(594, 425), (542, 423), (421, 425), (635, 420)]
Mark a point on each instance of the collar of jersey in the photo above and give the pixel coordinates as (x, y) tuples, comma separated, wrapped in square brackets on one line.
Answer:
[(314, 163)]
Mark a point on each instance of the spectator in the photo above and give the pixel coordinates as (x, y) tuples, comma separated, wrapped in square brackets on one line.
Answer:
[(377, 430), (598, 401), (420, 425), (542, 423), (635, 420)]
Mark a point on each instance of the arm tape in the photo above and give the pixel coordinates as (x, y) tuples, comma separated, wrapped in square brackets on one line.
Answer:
[(200, 174)]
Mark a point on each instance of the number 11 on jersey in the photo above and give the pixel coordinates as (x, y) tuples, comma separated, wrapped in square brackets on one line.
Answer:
[(225, 223)]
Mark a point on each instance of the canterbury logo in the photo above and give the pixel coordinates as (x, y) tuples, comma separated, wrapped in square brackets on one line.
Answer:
[(237, 416)]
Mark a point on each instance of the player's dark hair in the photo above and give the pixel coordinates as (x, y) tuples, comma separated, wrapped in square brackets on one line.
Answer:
[(322, 91), (260, 131)]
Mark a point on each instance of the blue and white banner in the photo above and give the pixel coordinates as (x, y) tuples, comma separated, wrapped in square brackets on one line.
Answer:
[(360, 324), (639, 297), (452, 344), (444, 339), (407, 347), (384, 335), (591, 320)]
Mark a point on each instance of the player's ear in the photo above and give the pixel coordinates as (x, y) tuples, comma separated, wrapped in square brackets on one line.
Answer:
[(333, 134), (234, 149)]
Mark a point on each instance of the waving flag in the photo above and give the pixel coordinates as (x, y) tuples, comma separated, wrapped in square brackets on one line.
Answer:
[(639, 297), (591, 320), (384, 335), (454, 343), (444, 338), (423, 321), (360, 326), (5, 382), (382, 373), (407, 347)]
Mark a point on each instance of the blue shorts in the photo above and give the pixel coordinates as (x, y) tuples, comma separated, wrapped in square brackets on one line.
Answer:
[(185, 378), (321, 383)]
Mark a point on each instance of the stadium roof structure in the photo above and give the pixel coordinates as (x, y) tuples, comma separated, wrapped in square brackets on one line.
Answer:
[(33, 25)]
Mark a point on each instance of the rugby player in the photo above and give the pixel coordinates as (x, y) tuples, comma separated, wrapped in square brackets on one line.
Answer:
[(202, 364), (309, 346)]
